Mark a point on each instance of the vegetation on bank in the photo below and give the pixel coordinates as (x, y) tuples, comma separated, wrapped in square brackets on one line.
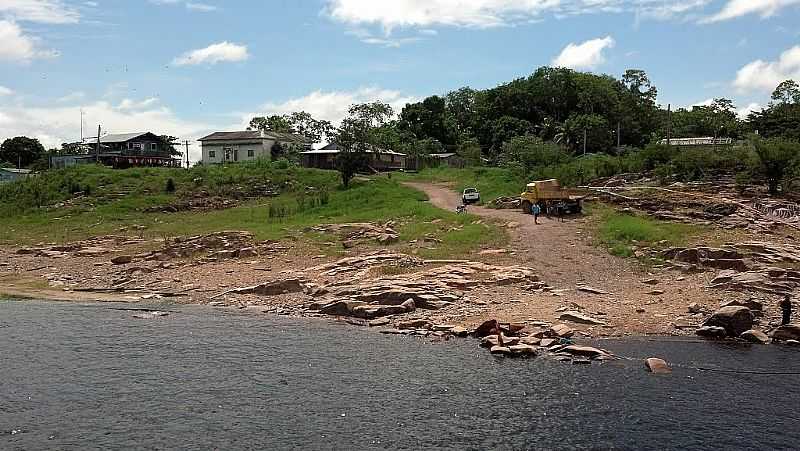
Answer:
[(75, 203), (622, 233)]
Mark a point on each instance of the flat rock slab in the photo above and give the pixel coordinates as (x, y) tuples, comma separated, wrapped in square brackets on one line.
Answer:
[(590, 290), (579, 318)]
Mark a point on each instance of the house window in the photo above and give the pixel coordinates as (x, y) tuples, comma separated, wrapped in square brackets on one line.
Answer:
[(251, 153), (137, 146), (153, 147), (212, 154)]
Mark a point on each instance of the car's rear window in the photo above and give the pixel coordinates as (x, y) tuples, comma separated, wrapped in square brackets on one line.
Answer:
[(470, 190)]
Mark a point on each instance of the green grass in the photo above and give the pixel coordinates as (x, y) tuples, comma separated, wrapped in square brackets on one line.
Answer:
[(285, 216), (491, 182), (619, 232)]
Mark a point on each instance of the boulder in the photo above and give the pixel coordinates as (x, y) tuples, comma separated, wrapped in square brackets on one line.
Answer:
[(531, 340), (752, 304), (409, 305), (490, 327), (711, 332), (694, 307), (562, 331), (657, 366), (459, 331), (341, 308), (547, 342), (377, 311), (755, 336), (122, 259), (577, 317), (793, 343), (734, 319), (786, 333)]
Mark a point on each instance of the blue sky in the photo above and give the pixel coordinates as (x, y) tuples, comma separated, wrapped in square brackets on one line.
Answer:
[(189, 67)]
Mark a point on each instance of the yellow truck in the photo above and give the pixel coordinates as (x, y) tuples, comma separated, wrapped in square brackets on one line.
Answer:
[(549, 195)]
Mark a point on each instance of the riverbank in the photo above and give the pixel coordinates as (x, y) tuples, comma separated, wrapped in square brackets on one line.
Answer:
[(543, 273)]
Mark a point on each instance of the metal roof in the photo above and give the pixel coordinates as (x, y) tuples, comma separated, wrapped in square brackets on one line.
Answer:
[(254, 134), (336, 151), (116, 138), (16, 171), (442, 155)]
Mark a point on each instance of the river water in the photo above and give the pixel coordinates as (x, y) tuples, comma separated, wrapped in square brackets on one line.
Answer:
[(81, 377)]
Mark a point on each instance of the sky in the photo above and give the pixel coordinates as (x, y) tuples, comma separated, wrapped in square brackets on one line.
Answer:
[(190, 67)]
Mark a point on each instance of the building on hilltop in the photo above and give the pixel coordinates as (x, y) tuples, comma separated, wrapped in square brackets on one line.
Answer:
[(705, 141), (379, 159), (226, 147), (124, 150)]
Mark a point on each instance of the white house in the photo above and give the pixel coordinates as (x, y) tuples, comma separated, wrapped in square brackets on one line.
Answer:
[(222, 147)]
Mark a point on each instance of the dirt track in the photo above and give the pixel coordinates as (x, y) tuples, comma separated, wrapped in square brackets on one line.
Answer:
[(565, 257)]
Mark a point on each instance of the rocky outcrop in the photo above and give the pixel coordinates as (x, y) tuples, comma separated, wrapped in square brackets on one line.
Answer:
[(122, 260), (355, 233), (734, 319), (786, 333)]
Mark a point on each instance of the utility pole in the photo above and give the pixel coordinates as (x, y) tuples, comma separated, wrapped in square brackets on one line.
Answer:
[(669, 124), (619, 138), (97, 150), (187, 153), (81, 125), (584, 140)]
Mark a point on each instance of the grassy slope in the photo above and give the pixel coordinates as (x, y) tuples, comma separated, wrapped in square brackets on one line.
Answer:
[(491, 182), (104, 212)]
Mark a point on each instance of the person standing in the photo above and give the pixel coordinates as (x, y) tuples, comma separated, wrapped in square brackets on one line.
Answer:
[(536, 210), (786, 307)]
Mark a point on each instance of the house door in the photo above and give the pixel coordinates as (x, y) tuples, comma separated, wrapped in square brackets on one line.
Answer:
[(235, 154)]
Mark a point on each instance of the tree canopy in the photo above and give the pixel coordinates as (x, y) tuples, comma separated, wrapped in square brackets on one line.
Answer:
[(21, 151)]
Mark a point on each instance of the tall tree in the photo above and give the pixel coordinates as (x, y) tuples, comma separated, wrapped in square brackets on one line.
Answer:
[(788, 92), (358, 136), (21, 151)]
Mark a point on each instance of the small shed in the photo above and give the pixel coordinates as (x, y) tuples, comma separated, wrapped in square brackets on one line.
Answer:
[(11, 174)]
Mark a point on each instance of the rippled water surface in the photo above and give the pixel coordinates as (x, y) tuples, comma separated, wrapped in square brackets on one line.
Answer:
[(76, 377)]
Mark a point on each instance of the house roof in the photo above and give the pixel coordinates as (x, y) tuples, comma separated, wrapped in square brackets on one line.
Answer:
[(116, 138), (16, 171), (442, 155), (333, 148), (254, 134)]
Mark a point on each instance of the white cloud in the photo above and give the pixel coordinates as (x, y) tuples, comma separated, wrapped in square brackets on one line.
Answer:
[(492, 13), (129, 104), (41, 11), (202, 7), (333, 105), (739, 8), (17, 46), (765, 76), (72, 97), (213, 54), (55, 125), (744, 112), (5, 91), (586, 55)]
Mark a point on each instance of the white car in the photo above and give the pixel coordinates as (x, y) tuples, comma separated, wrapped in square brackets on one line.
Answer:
[(471, 196)]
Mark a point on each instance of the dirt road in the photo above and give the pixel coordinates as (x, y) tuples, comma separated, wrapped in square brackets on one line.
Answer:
[(565, 257)]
